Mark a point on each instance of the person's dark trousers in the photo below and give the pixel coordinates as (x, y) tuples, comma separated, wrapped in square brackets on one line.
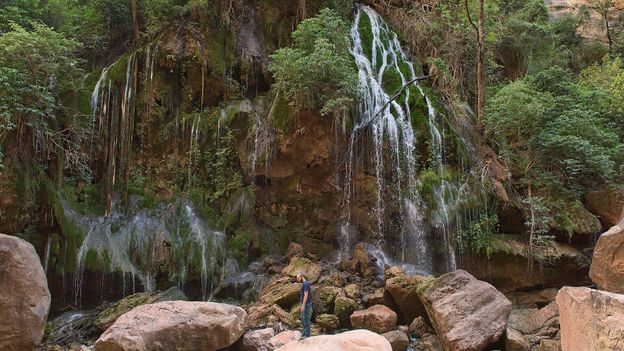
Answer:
[(305, 320)]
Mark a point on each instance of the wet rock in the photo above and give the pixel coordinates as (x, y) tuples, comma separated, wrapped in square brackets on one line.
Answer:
[(327, 322), (515, 341), (607, 204), (364, 262), (403, 289), (293, 250), (280, 290), (175, 325), (607, 268), (419, 328), (379, 319), (24, 295), (107, 317), (354, 340), (257, 340), (311, 269), (284, 338), (467, 314), (590, 319), (343, 308), (397, 339), (236, 286)]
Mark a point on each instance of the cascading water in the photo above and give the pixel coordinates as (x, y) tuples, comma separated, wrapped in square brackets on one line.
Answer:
[(139, 245), (380, 59)]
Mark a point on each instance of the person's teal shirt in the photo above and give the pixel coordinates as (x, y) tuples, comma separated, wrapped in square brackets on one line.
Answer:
[(306, 287)]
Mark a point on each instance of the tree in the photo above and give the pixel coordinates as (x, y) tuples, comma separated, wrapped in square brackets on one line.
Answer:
[(318, 71), (480, 32), (37, 69)]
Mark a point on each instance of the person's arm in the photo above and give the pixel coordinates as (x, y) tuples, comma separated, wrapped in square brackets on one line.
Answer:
[(305, 299)]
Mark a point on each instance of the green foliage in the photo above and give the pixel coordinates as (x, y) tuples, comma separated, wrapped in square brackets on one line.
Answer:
[(478, 235), (238, 245), (317, 72), (550, 129)]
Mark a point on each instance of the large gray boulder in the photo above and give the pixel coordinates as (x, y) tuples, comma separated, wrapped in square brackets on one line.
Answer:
[(24, 295), (590, 319), (467, 314), (175, 326)]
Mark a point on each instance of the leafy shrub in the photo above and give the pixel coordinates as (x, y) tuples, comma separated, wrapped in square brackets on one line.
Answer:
[(317, 72)]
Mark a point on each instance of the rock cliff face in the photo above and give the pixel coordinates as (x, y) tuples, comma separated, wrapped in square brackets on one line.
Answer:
[(595, 27)]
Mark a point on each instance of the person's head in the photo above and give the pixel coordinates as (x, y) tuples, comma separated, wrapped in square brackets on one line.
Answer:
[(300, 277)]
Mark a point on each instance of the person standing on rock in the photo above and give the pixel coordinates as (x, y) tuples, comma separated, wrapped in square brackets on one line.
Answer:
[(306, 304)]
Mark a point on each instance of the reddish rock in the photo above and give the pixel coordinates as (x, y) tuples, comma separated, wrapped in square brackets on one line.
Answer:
[(397, 339), (284, 338), (467, 314), (607, 267), (590, 319), (379, 319), (403, 289), (354, 340), (24, 295), (257, 340), (607, 204), (175, 325), (294, 249)]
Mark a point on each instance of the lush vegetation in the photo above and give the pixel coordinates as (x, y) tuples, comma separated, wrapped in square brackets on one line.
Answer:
[(317, 72)]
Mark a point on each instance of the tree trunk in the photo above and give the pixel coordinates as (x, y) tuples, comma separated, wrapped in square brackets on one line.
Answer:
[(135, 22), (605, 15), (480, 66)]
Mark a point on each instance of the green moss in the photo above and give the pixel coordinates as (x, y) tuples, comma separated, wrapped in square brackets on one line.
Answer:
[(391, 81), (280, 117), (366, 34)]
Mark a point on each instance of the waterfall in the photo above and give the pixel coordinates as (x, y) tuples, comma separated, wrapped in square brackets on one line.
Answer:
[(113, 111), (380, 60), (140, 244)]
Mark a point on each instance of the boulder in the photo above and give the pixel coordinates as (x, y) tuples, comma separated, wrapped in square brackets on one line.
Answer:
[(311, 269), (467, 314), (397, 339), (282, 291), (354, 340), (394, 271), (343, 308), (550, 345), (544, 321), (284, 338), (324, 298), (268, 316), (428, 342), (403, 289), (107, 317), (175, 325), (506, 267), (379, 319), (24, 295), (293, 250), (607, 267), (239, 285), (364, 263), (257, 340), (533, 298), (352, 291), (590, 319), (515, 341), (607, 204), (327, 322), (419, 327)]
